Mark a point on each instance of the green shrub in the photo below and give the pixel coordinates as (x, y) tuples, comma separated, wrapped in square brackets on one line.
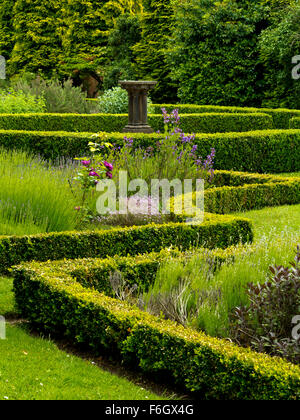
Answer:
[(52, 300), (209, 123), (257, 151), (150, 52), (215, 232), (59, 97), (278, 44), (214, 52), (12, 102), (115, 101), (122, 37)]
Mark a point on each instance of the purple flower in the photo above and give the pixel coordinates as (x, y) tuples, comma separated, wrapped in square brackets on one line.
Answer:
[(108, 166), (109, 175), (93, 173), (86, 163)]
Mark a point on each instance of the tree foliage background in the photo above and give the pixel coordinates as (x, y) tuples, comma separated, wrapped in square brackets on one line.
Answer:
[(227, 52)]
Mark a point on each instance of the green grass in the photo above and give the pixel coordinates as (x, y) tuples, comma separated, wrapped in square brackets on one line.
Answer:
[(33, 368), (35, 197), (273, 220), (277, 234)]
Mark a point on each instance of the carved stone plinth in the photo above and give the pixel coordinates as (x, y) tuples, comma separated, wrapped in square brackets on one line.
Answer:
[(137, 106)]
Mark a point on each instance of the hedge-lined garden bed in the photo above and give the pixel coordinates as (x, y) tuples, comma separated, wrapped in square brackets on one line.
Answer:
[(256, 151), (215, 232), (239, 191), (206, 123), (54, 301)]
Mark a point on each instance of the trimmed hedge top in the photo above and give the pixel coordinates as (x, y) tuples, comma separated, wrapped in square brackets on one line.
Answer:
[(215, 232), (207, 123), (281, 116)]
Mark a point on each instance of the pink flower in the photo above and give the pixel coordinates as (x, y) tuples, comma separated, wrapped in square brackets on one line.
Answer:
[(108, 166), (85, 162), (93, 173)]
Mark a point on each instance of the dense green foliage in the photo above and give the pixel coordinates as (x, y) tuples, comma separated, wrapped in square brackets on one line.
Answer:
[(295, 123), (150, 52), (215, 56), (6, 27), (125, 34), (278, 45), (19, 102), (234, 52)]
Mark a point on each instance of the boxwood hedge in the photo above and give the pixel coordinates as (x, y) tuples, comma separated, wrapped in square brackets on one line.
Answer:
[(281, 116), (215, 232), (217, 369), (207, 123), (272, 151)]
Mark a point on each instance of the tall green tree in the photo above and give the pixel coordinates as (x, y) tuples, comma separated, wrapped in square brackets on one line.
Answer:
[(278, 45), (37, 46), (121, 64), (151, 52), (6, 28), (215, 56)]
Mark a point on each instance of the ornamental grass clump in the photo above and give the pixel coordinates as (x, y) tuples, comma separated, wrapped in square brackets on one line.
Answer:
[(34, 195)]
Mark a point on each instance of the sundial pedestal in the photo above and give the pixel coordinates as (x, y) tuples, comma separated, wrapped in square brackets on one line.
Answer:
[(137, 106)]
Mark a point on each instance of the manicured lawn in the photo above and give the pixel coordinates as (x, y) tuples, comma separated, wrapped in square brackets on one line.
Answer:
[(272, 221), (34, 368)]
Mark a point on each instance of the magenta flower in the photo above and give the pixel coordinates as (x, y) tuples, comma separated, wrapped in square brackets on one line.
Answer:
[(93, 173), (109, 175), (85, 162), (108, 166)]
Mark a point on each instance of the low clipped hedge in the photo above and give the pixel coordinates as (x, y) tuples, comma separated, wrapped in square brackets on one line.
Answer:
[(139, 270), (272, 151), (281, 116), (55, 302), (295, 123), (215, 232), (207, 123)]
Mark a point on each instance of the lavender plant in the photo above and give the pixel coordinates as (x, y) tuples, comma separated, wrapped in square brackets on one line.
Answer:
[(176, 156)]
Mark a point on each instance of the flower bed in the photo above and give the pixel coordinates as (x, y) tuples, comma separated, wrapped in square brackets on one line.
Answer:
[(48, 296)]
